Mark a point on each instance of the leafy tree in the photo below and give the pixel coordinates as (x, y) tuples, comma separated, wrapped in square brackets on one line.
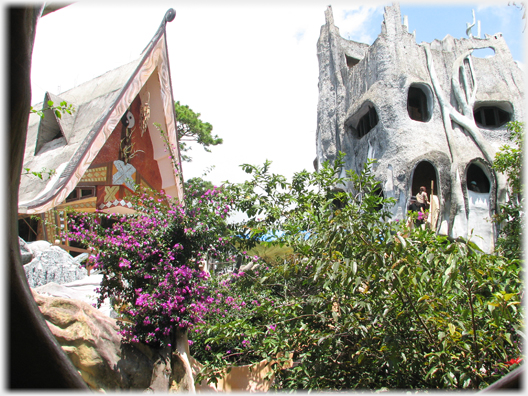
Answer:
[(509, 161), (190, 128), (359, 302), (362, 302), (271, 253)]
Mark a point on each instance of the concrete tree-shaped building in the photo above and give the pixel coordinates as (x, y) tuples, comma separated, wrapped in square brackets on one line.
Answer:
[(431, 114)]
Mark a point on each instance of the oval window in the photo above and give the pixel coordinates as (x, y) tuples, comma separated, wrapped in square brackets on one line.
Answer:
[(419, 102)]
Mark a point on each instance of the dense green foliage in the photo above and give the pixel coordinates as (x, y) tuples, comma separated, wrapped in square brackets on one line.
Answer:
[(357, 301), (509, 161), (362, 302), (190, 128)]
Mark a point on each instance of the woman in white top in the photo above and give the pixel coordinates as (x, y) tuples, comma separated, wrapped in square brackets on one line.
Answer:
[(422, 198)]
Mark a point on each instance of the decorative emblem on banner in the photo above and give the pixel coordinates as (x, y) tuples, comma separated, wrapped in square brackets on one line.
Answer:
[(126, 145), (110, 193), (124, 174)]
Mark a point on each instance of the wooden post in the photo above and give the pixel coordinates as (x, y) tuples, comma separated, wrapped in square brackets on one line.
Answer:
[(431, 214)]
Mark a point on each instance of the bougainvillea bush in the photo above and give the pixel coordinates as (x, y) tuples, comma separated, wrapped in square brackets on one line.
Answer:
[(363, 302), (151, 260)]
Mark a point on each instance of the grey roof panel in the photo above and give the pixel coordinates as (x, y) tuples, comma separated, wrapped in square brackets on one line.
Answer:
[(91, 100)]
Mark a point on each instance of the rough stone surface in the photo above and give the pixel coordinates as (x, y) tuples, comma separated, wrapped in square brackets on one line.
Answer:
[(354, 76), (53, 265), (91, 341), (83, 290), (25, 251)]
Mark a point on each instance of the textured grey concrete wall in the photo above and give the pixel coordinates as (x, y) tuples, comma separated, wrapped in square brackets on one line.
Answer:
[(454, 82)]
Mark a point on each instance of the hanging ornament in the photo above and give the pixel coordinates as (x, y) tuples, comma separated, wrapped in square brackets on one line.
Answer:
[(144, 115)]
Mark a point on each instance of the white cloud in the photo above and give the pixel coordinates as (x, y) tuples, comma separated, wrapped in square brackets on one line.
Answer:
[(356, 23)]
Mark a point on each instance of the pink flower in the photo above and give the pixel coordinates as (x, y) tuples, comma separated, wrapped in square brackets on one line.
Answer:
[(124, 263)]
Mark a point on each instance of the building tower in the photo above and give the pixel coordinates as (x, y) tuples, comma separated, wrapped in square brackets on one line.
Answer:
[(430, 114)]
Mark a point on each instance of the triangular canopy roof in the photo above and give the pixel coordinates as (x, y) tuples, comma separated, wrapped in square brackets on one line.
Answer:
[(52, 127), (69, 144)]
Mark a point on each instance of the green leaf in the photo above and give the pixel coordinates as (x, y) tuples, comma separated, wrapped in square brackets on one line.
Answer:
[(360, 358), (508, 296), (431, 372)]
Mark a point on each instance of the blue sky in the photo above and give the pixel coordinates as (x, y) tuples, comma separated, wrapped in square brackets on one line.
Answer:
[(435, 21), (249, 68)]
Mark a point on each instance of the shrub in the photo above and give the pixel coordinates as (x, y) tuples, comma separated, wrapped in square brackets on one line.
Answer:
[(150, 260), (363, 302)]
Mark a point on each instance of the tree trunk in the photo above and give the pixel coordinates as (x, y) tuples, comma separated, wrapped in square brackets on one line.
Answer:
[(172, 370), (162, 370), (183, 379)]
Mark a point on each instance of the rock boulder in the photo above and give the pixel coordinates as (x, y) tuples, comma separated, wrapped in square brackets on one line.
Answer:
[(91, 340)]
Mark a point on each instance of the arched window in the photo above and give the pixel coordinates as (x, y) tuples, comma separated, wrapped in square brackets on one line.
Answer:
[(487, 52), (419, 102), (423, 175), (477, 180), (367, 122)]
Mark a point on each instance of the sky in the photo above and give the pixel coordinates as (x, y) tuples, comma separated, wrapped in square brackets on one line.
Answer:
[(249, 69)]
